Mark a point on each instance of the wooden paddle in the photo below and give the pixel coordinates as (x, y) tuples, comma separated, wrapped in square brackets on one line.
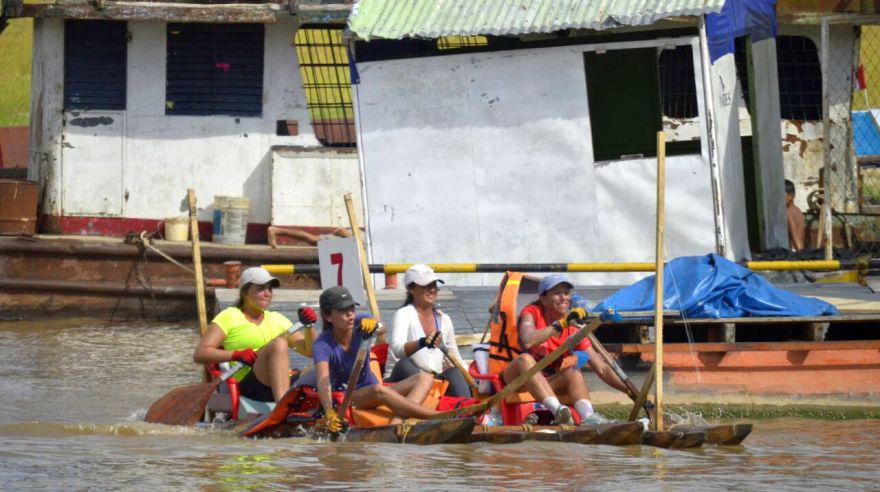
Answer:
[(185, 405), (374, 309), (458, 365), (643, 394), (520, 380), (632, 391)]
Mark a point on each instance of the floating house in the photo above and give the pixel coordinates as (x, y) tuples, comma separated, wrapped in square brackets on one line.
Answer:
[(531, 140)]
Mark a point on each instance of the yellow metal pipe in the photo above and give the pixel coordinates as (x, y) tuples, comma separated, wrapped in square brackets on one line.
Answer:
[(794, 265), (395, 268), (280, 269), (610, 267)]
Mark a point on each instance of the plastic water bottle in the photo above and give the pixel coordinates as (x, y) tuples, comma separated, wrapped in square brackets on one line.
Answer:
[(494, 417)]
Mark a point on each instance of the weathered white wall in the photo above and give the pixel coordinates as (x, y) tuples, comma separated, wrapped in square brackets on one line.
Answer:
[(488, 158), (47, 101), (308, 185), (163, 155), (726, 92), (768, 140), (802, 141)]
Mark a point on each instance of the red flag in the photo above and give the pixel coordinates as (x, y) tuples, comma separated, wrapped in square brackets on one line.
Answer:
[(861, 80)]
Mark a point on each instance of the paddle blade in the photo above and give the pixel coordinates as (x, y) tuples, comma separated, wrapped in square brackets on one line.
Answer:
[(181, 406), (278, 415)]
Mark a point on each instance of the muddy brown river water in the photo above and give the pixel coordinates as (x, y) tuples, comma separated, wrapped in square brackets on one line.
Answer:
[(75, 391)]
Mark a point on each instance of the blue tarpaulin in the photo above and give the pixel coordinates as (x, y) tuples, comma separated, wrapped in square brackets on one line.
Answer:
[(866, 136), (713, 287), (736, 19)]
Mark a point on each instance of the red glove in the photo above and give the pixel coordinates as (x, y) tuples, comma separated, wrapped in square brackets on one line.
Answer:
[(307, 315), (246, 356)]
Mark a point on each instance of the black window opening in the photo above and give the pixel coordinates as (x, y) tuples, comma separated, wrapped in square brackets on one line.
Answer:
[(94, 64), (800, 76), (324, 66), (677, 86), (624, 95), (214, 69)]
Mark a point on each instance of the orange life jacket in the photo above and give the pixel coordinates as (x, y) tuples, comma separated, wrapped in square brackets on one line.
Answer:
[(504, 334)]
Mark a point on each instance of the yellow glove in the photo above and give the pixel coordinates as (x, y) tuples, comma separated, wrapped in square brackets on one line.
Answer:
[(576, 315), (368, 326), (333, 422)]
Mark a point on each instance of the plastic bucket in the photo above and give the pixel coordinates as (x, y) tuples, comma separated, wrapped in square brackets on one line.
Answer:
[(177, 228), (481, 357), (18, 207), (231, 219)]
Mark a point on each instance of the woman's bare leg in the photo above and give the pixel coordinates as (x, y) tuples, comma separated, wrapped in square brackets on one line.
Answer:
[(272, 367), (373, 396), (571, 382), (537, 385)]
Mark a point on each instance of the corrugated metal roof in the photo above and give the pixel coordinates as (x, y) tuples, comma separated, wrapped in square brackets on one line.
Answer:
[(396, 19)]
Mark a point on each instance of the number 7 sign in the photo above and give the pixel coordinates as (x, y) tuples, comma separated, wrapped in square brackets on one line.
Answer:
[(340, 265)]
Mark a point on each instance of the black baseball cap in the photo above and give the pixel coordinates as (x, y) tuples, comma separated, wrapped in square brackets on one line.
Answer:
[(336, 298)]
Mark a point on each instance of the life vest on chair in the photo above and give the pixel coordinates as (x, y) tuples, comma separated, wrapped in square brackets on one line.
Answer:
[(504, 334)]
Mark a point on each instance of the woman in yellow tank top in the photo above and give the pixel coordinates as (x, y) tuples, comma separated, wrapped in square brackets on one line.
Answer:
[(248, 333)]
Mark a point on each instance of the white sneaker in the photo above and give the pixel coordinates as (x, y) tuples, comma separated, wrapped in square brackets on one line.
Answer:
[(532, 419), (563, 416), (594, 419)]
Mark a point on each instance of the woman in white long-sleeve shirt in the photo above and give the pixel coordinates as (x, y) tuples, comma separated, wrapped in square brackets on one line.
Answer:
[(418, 329)]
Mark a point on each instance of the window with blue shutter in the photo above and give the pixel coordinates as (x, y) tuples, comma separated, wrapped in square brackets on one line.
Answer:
[(214, 69), (94, 64)]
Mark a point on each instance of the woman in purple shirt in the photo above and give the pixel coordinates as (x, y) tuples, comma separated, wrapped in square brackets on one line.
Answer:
[(335, 351)]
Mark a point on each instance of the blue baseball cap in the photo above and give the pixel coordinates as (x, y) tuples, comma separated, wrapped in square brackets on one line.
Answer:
[(551, 281)]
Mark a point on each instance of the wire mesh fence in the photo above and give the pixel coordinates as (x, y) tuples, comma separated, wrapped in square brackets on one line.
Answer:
[(850, 175)]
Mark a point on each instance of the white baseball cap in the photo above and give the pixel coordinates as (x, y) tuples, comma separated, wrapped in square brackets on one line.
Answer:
[(420, 274), (258, 276)]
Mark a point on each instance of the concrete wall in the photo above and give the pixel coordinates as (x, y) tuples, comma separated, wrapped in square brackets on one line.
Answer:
[(308, 185), (488, 158), (139, 162), (802, 145)]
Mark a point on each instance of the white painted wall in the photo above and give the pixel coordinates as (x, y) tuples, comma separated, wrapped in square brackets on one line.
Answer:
[(768, 140), (47, 100), (726, 91), (488, 158), (163, 155), (308, 186)]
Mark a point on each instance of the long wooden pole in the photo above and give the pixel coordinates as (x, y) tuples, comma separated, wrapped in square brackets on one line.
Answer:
[(658, 284), (362, 254), (197, 261), (197, 267)]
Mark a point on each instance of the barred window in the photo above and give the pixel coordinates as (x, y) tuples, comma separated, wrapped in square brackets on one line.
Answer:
[(94, 64), (800, 77), (677, 86), (324, 66), (214, 69)]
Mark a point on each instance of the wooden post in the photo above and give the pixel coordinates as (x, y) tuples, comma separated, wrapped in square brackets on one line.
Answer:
[(365, 270), (197, 262), (658, 283), (197, 269)]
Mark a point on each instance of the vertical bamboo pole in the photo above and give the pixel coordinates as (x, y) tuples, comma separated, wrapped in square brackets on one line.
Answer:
[(365, 270), (658, 284), (197, 261), (197, 269)]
